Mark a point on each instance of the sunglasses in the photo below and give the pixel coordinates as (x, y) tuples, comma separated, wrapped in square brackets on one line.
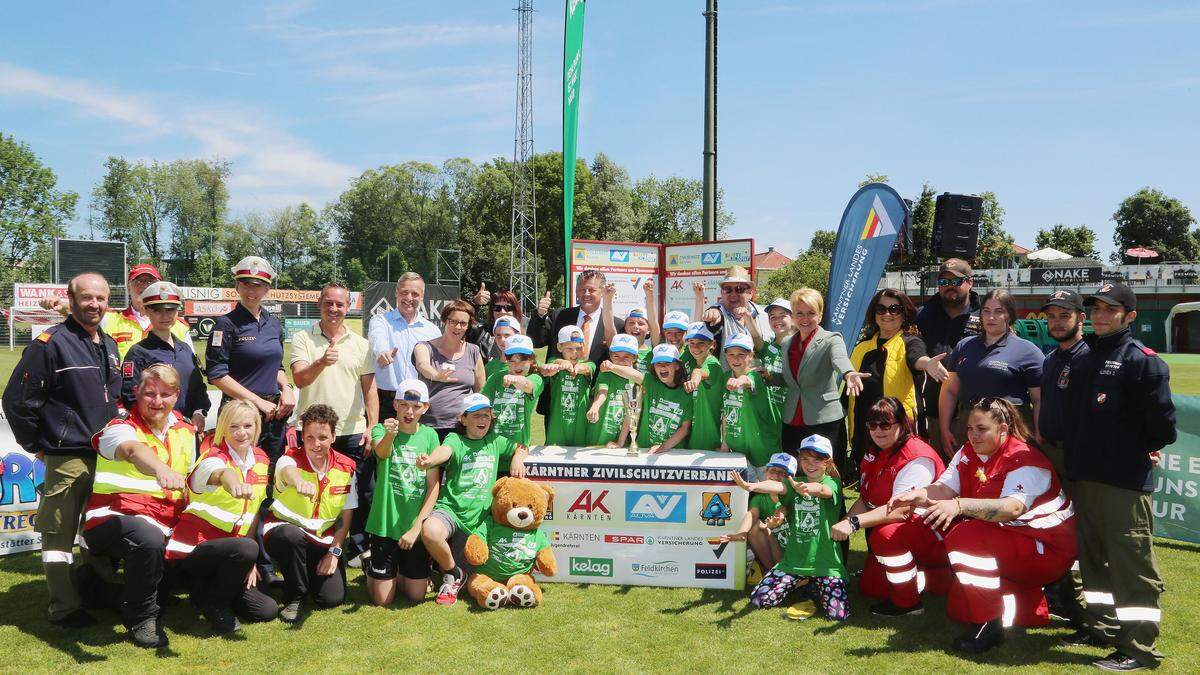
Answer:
[(880, 426), (502, 308), (735, 289), (955, 282), (894, 310)]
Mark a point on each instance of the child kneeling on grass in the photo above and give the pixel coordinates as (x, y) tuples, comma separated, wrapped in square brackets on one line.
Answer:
[(812, 560), (765, 539)]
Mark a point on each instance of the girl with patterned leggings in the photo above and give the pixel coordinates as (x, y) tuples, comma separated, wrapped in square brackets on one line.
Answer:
[(812, 562)]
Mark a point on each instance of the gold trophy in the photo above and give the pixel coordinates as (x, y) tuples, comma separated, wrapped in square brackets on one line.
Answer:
[(633, 410)]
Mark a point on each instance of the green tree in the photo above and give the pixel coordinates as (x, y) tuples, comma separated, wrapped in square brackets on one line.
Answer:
[(823, 242), (873, 178), (33, 211), (995, 244), (296, 243), (611, 201), (671, 210), (1152, 219), (138, 205), (809, 269), (1077, 241), (199, 199), (922, 227)]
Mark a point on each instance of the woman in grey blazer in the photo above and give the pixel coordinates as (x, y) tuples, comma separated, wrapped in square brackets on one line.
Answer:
[(814, 366)]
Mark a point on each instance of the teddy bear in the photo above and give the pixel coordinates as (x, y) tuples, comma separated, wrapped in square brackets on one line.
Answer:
[(509, 544)]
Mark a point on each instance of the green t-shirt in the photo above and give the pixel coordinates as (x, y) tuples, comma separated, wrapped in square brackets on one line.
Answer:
[(496, 365), (613, 411), (470, 473), (513, 408), (570, 398), (751, 422), (771, 358), (706, 410), (767, 506), (663, 410), (643, 360), (810, 550), (510, 552), (399, 484)]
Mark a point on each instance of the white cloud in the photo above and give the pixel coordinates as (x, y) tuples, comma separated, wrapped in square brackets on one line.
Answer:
[(266, 160), (391, 38)]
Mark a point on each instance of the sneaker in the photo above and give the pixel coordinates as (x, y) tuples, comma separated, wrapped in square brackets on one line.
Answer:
[(801, 610), (356, 562), (75, 620), (222, 619), (1084, 638), (448, 593), (980, 638), (147, 635), (290, 612), (1118, 662), (887, 608)]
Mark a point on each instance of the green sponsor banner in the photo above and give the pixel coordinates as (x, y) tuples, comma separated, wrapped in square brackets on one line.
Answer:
[(572, 64), (1177, 478)]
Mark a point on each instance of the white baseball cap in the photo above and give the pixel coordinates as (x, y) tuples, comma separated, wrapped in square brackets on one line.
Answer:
[(570, 334), (624, 342), (782, 460), (779, 303), (664, 353), (740, 340), (636, 313), (519, 344), (412, 387), (818, 444), (698, 330), (473, 402), (510, 321), (678, 320)]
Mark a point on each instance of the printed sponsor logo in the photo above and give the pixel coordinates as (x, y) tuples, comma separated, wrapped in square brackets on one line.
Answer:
[(711, 571), (675, 540), (658, 568), (710, 258), (718, 546), (589, 506), (716, 508), (625, 539), (618, 255), (568, 539), (655, 507), (591, 567)]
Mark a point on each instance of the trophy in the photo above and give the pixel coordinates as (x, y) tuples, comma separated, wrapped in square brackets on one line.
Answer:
[(633, 410)]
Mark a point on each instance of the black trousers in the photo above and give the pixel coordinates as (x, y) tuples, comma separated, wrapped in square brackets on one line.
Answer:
[(364, 479), (217, 572), (140, 547), (297, 557)]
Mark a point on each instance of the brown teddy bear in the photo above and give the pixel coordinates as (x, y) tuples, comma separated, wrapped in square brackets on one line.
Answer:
[(509, 543)]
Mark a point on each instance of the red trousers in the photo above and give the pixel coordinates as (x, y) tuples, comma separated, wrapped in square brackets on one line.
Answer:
[(906, 559), (999, 574)]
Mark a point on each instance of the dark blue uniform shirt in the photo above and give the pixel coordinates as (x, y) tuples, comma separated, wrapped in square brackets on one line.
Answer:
[(247, 349), (193, 395), (1007, 368), (1056, 381)]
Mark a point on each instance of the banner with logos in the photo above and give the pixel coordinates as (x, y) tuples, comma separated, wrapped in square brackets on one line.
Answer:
[(1064, 276), (645, 520), (379, 297), (628, 265), (685, 265), (21, 475), (1177, 478)]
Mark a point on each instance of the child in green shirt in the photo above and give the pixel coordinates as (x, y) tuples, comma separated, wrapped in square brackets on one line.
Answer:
[(607, 414), (404, 496), (640, 322), (473, 454), (570, 389), (812, 560), (504, 328), (666, 416), (765, 540), (769, 352), (749, 423), (706, 382), (514, 392)]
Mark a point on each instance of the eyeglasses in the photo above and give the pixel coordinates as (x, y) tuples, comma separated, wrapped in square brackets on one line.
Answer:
[(880, 426), (735, 289), (894, 310), (502, 308), (955, 282)]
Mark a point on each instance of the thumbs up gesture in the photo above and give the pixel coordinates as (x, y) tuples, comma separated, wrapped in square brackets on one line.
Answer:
[(543, 306), (385, 359), (330, 356), (482, 296)]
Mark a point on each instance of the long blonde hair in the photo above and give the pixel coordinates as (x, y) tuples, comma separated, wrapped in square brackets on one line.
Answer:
[(232, 411)]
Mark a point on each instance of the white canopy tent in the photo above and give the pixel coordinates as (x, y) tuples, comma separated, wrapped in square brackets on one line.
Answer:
[(1178, 309), (1048, 254)]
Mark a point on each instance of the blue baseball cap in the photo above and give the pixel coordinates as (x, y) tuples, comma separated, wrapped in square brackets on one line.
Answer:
[(568, 334), (741, 340), (519, 344), (679, 320), (510, 321), (818, 444), (664, 353), (698, 330), (782, 460), (473, 402), (636, 313), (624, 343)]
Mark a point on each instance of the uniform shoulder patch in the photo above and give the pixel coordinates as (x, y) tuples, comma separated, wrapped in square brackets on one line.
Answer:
[(1148, 352), (127, 369), (44, 336)]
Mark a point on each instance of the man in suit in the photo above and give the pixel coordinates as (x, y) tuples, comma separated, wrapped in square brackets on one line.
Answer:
[(545, 323)]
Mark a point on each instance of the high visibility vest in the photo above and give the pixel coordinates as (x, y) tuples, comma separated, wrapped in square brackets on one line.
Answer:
[(897, 378), (216, 514), (120, 488), (127, 329), (316, 516)]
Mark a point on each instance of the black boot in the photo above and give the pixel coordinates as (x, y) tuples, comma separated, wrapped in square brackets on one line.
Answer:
[(981, 637)]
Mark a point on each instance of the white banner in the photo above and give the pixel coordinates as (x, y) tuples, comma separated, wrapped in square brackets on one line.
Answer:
[(707, 263), (20, 475), (627, 265), (650, 520)]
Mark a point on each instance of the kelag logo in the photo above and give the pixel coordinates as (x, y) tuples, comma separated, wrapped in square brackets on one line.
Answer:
[(591, 567), (618, 255), (710, 258), (655, 507)]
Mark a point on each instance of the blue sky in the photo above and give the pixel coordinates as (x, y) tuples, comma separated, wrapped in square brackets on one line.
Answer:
[(1061, 108)]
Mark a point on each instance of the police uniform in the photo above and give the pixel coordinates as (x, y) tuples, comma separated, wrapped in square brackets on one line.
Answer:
[(64, 389), (250, 350), (129, 327), (193, 394), (941, 332), (1122, 412)]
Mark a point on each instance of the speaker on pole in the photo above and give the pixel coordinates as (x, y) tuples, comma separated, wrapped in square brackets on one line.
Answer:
[(956, 225)]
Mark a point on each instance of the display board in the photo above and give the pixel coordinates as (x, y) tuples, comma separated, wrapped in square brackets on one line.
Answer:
[(75, 256), (650, 520), (627, 265), (707, 263)]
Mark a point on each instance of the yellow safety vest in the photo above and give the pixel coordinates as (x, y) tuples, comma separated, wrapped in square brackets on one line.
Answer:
[(125, 329), (315, 516), (121, 477), (221, 509), (897, 378)]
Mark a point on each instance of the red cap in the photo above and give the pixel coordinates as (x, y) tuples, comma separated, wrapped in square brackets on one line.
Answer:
[(138, 270)]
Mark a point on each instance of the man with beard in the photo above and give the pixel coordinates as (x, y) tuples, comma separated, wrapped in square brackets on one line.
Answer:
[(63, 391), (945, 319)]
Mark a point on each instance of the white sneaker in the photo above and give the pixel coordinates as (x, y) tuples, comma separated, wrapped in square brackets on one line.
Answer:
[(448, 593)]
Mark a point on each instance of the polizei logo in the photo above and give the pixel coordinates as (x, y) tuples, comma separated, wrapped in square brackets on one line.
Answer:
[(591, 567)]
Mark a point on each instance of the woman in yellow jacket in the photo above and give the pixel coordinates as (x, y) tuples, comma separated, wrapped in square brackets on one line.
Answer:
[(213, 542)]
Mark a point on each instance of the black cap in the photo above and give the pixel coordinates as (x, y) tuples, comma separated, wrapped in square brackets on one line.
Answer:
[(1065, 299), (1114, 294)]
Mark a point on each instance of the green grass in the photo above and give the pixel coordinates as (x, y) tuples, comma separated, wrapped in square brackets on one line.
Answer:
[(578, 628)]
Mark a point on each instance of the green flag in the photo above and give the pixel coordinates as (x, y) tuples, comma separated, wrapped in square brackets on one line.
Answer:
[(572, 64)]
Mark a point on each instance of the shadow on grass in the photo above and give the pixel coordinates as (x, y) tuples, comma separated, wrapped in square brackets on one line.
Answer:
[(732, 605), (83, 646)]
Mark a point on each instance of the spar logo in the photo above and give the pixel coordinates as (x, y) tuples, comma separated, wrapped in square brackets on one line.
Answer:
[(591, 567), (589, 506), (711, 258), (716, 508), (618, 255), (710, 571), (627, 539), (655, 507)]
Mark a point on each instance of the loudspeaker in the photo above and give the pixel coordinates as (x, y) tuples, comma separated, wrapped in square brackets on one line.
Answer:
[(956, 226)]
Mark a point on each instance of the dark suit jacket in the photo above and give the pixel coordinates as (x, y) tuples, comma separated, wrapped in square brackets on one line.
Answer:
[(544, 333)]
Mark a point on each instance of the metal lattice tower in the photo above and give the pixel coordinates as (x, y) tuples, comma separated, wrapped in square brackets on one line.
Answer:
[(523, 260)]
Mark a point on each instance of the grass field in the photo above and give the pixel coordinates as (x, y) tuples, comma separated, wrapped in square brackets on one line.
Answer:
[(593, 628)]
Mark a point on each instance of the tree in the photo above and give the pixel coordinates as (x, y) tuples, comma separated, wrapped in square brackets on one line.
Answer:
[(823, 242), (1079, 242), (873, 178), (199, 199), (923, 212), (296, 243), (810, 269), (138, 205), (611, 201), (995, 244), (1152, 219), (32, 213), (671, 210)]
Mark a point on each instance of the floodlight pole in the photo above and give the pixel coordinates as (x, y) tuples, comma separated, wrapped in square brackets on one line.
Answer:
[(710, 121)]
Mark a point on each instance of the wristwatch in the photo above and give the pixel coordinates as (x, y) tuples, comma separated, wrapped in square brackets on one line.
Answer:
[(854, 523), (335, 551)]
